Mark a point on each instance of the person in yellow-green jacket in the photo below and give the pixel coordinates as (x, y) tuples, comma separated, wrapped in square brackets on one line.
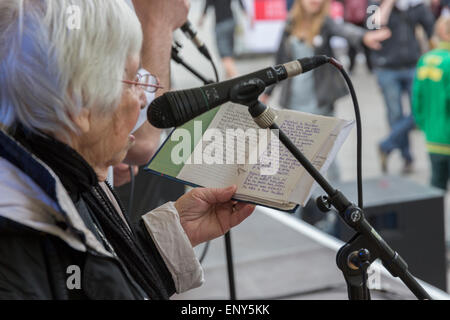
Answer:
[(431, 103)]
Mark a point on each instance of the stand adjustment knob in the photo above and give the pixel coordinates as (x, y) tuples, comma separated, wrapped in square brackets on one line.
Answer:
[(359, 259), (323, 203)]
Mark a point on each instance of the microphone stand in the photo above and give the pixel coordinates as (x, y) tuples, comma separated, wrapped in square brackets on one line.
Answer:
[(355, 257), (228, 247), (176, 57)]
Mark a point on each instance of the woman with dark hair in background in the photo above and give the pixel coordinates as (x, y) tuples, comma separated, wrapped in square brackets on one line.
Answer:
[(308, 32)]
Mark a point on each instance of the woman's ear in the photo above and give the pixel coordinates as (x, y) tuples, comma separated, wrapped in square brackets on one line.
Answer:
[(83, 120)]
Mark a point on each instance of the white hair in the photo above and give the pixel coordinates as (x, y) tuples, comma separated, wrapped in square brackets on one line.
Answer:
[(51, 68)]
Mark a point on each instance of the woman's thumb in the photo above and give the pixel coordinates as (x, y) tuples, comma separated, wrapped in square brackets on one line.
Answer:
[(224, 195)]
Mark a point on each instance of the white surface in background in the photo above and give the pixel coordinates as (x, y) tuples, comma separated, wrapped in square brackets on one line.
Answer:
[(264, 37), (335, 244)]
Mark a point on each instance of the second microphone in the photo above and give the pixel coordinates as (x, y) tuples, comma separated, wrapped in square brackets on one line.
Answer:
[(175, 108)]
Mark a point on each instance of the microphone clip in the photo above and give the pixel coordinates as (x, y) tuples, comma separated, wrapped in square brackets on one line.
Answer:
[(247, 93)]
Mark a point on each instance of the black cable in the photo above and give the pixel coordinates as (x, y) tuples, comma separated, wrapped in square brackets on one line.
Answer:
[(205, 249), (408, 279), (340, 67), (130, 208), (131, 199), (216, 74), (349, 82)]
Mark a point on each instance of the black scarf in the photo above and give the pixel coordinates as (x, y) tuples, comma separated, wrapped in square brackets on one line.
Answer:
[(81, 181)]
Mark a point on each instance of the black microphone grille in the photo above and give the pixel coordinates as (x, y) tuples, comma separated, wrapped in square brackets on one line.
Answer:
[(175, 108), (159, 114)]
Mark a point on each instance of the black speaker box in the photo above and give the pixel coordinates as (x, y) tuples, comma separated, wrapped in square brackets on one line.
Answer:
[(410, 217)]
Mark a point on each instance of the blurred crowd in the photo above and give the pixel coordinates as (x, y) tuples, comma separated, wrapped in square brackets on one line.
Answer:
[(73, 110), (406, 46)]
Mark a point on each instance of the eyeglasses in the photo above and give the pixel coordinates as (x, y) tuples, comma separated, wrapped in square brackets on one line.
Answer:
[(146, 81)]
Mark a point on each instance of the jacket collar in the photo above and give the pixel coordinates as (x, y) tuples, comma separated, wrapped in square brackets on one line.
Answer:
[(33, 189), (75, 173)]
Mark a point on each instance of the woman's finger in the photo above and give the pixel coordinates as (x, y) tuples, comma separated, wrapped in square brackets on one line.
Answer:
[(214, 195), (241, 212)]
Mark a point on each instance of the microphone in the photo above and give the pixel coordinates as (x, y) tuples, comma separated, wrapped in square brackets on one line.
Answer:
[(175, 108), (191, 33)]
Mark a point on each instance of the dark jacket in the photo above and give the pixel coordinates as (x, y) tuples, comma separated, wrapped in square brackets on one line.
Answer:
[(46, 235), (402, 50), (329, 84), (222, 8)]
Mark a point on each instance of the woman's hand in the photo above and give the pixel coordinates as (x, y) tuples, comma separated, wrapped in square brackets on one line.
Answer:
[(206, 214), (373, 39)]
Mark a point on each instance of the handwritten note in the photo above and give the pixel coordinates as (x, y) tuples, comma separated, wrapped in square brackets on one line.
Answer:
[(228, 170), (308, 133), (314, 135)]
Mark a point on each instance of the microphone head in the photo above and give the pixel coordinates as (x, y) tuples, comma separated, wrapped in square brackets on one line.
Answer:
[(159, 115), (175, 108)]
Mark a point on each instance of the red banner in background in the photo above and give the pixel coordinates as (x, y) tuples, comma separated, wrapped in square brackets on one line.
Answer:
[(336, 10), (270, 10)]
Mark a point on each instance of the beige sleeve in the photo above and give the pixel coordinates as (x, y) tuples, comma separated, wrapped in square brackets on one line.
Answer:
[(163, 225)]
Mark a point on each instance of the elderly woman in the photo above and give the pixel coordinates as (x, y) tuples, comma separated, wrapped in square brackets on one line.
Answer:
[(69, 98)]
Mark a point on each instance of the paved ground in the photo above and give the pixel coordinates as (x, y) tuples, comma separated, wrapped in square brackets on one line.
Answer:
[(372, 110)]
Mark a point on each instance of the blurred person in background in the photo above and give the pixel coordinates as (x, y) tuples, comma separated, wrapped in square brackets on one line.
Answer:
[(431, 103), (355, 12), (224, 31), (439, 7), (308, 32), (289, 4), (395, 65)]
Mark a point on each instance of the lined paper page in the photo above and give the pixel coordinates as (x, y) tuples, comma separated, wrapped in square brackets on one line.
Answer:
[(230, 116), (308, 133)]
